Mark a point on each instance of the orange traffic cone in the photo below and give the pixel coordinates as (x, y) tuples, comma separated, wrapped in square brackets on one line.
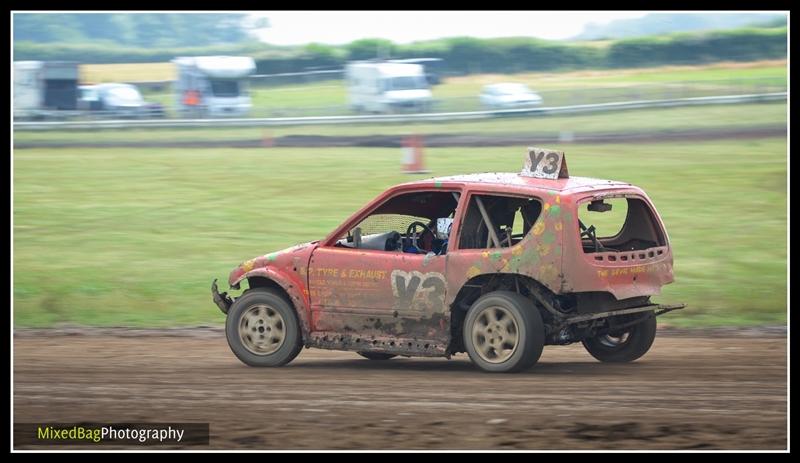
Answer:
[(413, 160), (267, 141)]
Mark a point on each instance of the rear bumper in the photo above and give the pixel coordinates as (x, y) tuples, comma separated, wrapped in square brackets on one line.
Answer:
[(222, 300), (569, 329), (657, 309)]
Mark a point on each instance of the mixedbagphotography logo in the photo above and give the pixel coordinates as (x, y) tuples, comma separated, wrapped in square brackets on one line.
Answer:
[(146, 434)]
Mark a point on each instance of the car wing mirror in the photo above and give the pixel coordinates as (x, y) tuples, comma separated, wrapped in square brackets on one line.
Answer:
[(599, 206)]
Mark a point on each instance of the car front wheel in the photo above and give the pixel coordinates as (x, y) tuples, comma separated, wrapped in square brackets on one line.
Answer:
[(262, 329)]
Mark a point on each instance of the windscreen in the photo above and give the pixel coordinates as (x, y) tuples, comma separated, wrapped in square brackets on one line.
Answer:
[(61, 94), (224, 88), (88, 94), (125, 94), (514, 90), (406, 83)]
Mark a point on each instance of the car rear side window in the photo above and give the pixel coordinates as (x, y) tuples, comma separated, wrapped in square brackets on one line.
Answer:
[(618, 224), (493, 221)]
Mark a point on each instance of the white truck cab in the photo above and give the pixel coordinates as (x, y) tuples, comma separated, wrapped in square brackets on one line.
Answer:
[(385, 87), (45, 89), (214, 86)]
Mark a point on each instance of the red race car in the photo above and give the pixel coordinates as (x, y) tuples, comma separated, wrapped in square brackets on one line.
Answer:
[(497, 265)]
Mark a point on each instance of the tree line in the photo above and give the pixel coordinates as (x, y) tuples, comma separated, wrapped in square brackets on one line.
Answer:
[(132, 30), (460, 55)]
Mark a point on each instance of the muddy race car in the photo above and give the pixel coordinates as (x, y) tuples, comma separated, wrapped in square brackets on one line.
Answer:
[(497, 265)]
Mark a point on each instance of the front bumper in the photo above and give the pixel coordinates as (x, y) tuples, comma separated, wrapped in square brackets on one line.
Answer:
[(222, 300), (399, 105), (227, 111), (519, 104)]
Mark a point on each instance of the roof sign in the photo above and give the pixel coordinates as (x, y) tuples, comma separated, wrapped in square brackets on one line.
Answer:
[(544, 163)]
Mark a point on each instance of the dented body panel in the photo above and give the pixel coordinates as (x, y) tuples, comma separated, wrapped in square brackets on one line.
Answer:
[(375, 293), (404, 303), (288, 269)]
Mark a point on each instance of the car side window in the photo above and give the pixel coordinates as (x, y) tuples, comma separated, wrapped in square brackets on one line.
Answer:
[(498, 221), (405, 223), (382, 223)]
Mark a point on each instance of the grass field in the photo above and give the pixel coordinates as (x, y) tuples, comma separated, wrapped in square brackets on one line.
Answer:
[(461, 93), (772, 69), (665, 119), (135, 236), (600, 86), (126, 72)]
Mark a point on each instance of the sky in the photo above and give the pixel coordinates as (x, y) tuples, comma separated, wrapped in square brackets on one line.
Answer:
[(339, 27)]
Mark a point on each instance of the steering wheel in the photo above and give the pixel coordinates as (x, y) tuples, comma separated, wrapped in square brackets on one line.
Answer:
[(411, 232)]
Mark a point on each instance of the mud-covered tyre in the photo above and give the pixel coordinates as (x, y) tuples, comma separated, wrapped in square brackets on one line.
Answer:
[(625, 346), (503, 332), (262, 329), (376, 355)]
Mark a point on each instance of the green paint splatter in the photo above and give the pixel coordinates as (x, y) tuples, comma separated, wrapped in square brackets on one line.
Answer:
[(495, 256), (555, 210), (568, 217), (437, 184), (557, 250), (271, 257), (530, 256), (548, 237), (551, 192)]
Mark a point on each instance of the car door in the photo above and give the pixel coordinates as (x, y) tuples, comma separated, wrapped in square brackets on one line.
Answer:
[(378, 293)]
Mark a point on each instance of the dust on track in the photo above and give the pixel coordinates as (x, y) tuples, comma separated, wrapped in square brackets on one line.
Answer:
[(691, 391)]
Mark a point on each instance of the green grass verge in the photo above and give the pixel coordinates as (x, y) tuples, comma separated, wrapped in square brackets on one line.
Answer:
[(662, 119), (134, 236)]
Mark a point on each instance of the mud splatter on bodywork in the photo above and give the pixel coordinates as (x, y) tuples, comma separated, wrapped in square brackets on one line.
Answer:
[(288, 269), (551, 253), (379, 293), (537, 255), (355, 299)]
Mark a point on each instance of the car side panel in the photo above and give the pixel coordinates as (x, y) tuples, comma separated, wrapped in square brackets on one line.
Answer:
[(376, 294), (537, 255)]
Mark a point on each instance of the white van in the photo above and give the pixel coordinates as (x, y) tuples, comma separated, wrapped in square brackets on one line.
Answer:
[(45, 89), (213, 85), (384, 86)]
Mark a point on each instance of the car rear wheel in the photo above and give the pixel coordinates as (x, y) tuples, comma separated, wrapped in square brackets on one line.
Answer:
[(262, 329), (623, 346), (376, 355), (503, 332)]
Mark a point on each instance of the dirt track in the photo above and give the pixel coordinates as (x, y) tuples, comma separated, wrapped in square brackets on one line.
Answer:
[(688, 392), (435, 140)]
